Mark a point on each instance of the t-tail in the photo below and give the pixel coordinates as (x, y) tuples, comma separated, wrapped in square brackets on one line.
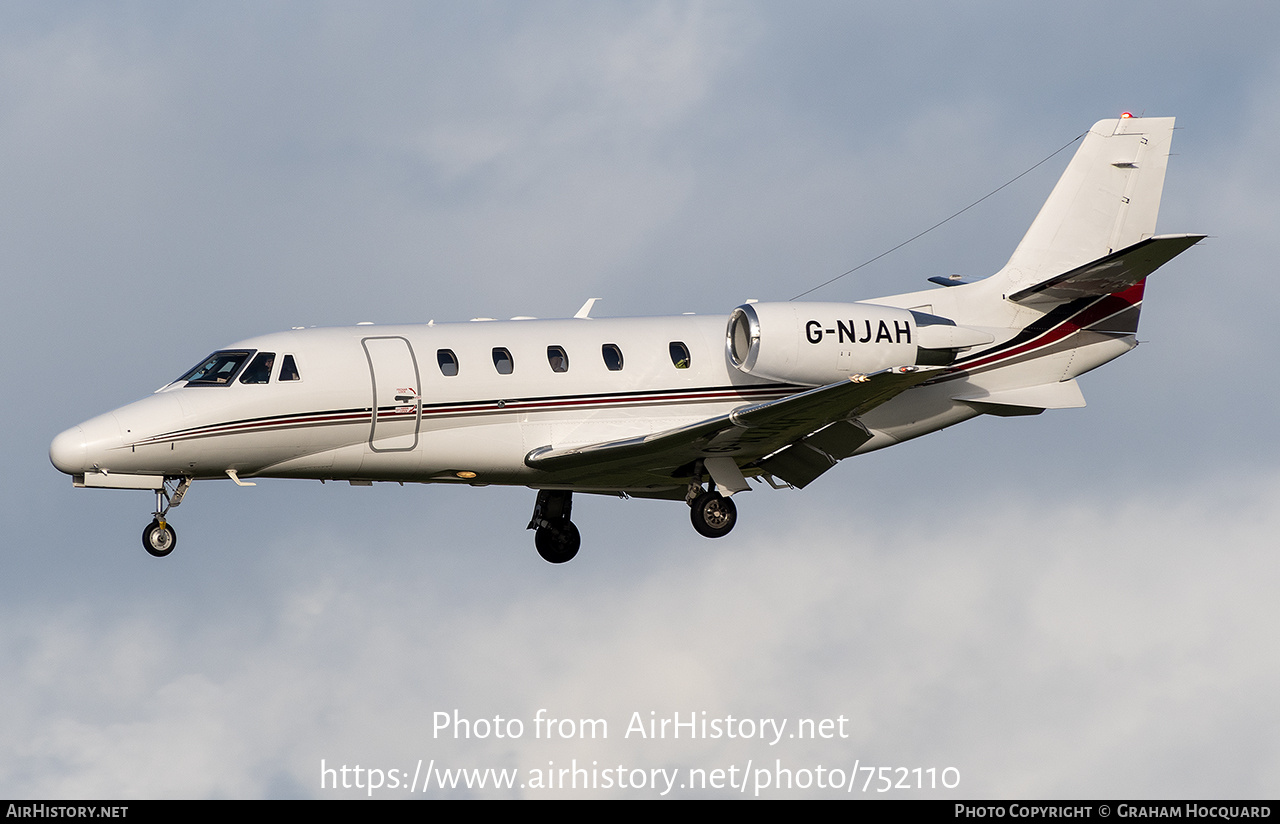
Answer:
[(1069, 298), (1095, 235)]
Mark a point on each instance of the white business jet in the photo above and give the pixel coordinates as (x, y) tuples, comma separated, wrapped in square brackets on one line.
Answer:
[(685, 408)]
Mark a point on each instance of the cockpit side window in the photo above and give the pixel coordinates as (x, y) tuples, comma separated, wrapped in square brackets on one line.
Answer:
[(217, 370), (259, 370), (289, 369)]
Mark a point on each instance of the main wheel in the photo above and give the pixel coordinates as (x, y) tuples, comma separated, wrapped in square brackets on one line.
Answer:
[(713, 515), (159, 540), (557, 545)]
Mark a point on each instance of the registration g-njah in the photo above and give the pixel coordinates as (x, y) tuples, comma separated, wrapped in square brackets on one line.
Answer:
[(685, 408)]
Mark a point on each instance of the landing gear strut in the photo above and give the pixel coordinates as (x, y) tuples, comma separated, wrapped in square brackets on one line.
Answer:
[(159, 538), (557, 539)]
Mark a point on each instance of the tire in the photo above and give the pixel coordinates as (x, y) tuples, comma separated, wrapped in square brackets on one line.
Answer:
[(556, 546), (159, 540), (713, 515)]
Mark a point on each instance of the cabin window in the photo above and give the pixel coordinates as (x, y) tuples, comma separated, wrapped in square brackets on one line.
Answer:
[(259, 370), (679, 354), (558, 358), (502, 361), (448, 362), (289, 369), (612, 356), (216, 370)]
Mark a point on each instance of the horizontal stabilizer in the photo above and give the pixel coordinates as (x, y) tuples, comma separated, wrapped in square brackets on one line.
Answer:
[(1108, 275)]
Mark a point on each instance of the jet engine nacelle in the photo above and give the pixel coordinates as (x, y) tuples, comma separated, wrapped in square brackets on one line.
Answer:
[(814, 344)]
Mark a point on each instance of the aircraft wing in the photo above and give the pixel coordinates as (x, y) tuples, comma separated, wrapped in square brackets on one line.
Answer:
[(744, 436), (1113, 273)]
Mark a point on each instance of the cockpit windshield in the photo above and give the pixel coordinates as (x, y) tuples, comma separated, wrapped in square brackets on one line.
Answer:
[(217, 370)]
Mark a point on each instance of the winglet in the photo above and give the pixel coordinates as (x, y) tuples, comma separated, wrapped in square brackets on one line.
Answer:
[(585, 311)]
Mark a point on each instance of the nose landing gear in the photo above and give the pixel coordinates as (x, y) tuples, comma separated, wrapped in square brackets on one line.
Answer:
[(159, 538)]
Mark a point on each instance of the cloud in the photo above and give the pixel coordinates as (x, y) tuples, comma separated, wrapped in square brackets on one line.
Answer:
[(177, 180), (1042, 648)]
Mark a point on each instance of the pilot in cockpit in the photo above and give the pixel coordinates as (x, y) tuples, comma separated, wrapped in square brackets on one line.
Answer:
[(260, 370)]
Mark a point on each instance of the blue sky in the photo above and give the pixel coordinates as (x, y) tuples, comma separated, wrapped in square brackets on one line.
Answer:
[(1073, 605)]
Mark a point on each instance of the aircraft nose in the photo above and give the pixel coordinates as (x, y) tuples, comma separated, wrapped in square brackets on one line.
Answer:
[(82, 447), (69, 450)]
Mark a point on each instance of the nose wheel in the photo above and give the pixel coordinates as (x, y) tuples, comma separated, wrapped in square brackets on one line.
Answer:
[(159, 539)]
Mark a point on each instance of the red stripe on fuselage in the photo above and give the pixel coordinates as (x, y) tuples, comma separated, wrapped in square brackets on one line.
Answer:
[(1094, 312)]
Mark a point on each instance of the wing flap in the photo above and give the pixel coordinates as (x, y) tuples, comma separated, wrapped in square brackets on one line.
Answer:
[(799, 464), (803, 461)]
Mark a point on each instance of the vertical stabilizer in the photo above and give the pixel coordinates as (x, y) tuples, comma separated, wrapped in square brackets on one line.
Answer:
[(1106, 200)]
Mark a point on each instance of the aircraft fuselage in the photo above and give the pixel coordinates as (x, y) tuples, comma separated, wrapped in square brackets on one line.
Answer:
[(687, 407)]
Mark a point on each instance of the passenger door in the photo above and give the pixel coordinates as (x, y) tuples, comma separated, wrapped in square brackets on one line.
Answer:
[(397, 401)]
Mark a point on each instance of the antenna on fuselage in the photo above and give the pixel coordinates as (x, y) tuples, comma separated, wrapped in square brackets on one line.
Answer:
[(585, 311)]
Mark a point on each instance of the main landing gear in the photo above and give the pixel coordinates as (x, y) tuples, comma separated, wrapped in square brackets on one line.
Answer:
[(159, 538), (557, 539), (712, 514)]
